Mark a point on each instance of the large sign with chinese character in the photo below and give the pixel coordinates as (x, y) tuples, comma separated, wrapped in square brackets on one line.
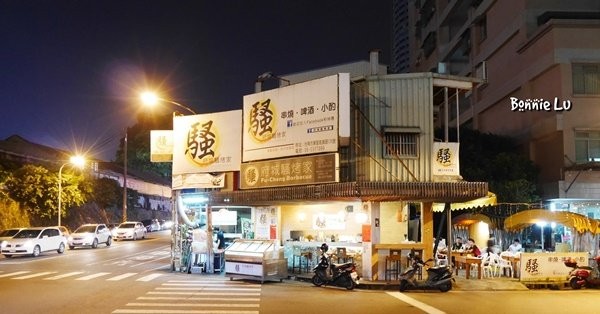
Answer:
[(161, 145), (290, 171), (299, 119), (207, 142), (445, 159), (548, 266)]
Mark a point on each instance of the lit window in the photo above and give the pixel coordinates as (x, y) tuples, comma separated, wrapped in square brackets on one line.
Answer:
[(587, 146), (586, 79)]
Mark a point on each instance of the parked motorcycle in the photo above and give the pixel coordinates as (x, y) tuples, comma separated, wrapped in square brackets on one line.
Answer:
[(583, 276), (439, 277), (326, 273)]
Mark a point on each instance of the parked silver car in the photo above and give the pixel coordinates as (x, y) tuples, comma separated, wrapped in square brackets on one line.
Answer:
[(33, 241), (90, 235)]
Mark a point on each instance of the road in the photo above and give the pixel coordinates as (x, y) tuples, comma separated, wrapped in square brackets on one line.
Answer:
[(134, 277)]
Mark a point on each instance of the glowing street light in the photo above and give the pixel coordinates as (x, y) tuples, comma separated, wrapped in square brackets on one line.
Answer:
[(152, 99), (78, 161)]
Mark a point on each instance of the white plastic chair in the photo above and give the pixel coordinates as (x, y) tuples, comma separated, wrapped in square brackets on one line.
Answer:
[(504, 265), (491, 265)]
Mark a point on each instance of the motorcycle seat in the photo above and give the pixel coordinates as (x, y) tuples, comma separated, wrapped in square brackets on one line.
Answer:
[(342, 265)]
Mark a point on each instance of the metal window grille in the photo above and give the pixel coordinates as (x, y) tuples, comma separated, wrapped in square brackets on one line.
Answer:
[(403, 144)]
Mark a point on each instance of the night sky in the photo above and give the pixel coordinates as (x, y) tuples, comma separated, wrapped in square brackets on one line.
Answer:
[(71, 71)]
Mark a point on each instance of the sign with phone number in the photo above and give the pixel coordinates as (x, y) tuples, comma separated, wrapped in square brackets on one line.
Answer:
[(549, 266)]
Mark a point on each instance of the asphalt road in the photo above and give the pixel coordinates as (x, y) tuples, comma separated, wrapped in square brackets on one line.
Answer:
[(135, 277)]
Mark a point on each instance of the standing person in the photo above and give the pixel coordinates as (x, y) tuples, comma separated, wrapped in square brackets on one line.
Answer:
[(220, 239)]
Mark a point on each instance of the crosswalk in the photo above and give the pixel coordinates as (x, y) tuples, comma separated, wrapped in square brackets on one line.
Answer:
[(78, 275), (212, 295)]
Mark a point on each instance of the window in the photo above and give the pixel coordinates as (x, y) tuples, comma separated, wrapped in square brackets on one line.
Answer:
[(586, 79), (401, 141), (587, 146)]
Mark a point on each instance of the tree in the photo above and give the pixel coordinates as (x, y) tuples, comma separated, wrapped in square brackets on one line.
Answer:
[(138, 144), (497, 160), (36, 188)]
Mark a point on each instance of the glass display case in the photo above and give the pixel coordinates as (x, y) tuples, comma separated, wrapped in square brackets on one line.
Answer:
[(255, 259)]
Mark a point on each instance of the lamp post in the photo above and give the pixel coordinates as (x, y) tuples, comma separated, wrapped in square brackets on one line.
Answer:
[(78, 161), (152, 99), (542, 224), (125, 177)]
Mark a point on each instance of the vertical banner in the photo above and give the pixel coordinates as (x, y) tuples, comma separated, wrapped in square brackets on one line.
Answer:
[(207, 142), (445, 159), (161, 145)]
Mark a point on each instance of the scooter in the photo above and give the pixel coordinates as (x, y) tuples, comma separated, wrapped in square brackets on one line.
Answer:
[(342, 275), (439, 278), (583, 276)]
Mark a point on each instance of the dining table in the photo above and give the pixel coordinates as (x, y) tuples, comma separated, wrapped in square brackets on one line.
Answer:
[(467, 261)]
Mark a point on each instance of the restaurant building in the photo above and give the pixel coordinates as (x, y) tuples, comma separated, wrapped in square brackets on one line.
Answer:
[(344, 155)]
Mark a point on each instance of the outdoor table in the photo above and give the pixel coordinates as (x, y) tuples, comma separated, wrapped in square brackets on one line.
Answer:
[(467, 261)]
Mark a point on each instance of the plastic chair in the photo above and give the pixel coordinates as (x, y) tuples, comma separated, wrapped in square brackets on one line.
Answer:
[(506, 264), (491, 265)]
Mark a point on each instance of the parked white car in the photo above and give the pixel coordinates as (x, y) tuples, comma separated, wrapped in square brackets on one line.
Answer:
[(129, 230), (7, 234), (33, 241), (90, 235)]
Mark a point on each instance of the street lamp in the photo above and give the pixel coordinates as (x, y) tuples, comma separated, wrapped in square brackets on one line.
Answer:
[(77, 161), (151, 99)]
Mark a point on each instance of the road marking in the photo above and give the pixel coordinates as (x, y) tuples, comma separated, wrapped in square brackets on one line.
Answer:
[(34, 275), (204, 293), (125, 275), (229, 299), (92, 276), (15, 273), (64, 275), (193, 304), (148, 311), (149, 277), (210, 289), (426, 308)]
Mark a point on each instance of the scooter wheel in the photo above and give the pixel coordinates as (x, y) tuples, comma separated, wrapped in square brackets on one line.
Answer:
[(349, 284), (446, 287), (574, 283), (403, 285), (317, 281)]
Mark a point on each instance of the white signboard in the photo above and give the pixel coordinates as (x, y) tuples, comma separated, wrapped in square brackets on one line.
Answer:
[(161, 145), (328, 222), (294, 120), (549, 266), (445, 159), (197, 181), (224, 217), (243, 268), (207, 142)]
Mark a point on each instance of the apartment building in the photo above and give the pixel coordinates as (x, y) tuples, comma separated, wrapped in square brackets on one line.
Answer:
[(539, 65)]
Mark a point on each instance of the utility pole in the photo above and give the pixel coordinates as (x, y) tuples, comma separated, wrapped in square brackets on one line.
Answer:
[(125, 177)]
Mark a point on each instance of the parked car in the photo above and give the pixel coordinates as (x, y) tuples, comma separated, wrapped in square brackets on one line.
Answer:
[(7, 234), (90, 235), (33, 241), (129, 230), (151, 225)]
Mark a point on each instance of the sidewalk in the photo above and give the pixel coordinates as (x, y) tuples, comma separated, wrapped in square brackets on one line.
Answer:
[(461, 284)]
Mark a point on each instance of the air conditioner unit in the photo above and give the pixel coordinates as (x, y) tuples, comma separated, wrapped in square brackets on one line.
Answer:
[(481, 71)]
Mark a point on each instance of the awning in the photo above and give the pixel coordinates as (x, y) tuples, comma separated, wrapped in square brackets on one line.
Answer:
[(488, 200), (529, 217), (468, 219)]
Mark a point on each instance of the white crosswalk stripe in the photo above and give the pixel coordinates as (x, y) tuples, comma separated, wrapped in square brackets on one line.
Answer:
[(75, 273), (92, 276), (79, 275), (198, 296)]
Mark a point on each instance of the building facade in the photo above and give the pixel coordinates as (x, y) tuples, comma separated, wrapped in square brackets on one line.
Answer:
[(539, 62)]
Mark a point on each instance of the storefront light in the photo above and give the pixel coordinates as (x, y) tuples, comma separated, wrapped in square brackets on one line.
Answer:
[(301, 217)]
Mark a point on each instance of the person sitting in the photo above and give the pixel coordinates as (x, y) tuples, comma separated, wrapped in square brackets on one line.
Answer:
[(515, 247), (458, 244), (471, 248)]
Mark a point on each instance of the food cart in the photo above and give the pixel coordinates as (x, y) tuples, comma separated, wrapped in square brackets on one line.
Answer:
[(255, 259)]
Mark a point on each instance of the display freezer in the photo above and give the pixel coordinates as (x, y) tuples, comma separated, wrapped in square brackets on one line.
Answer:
[(255, 259)]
